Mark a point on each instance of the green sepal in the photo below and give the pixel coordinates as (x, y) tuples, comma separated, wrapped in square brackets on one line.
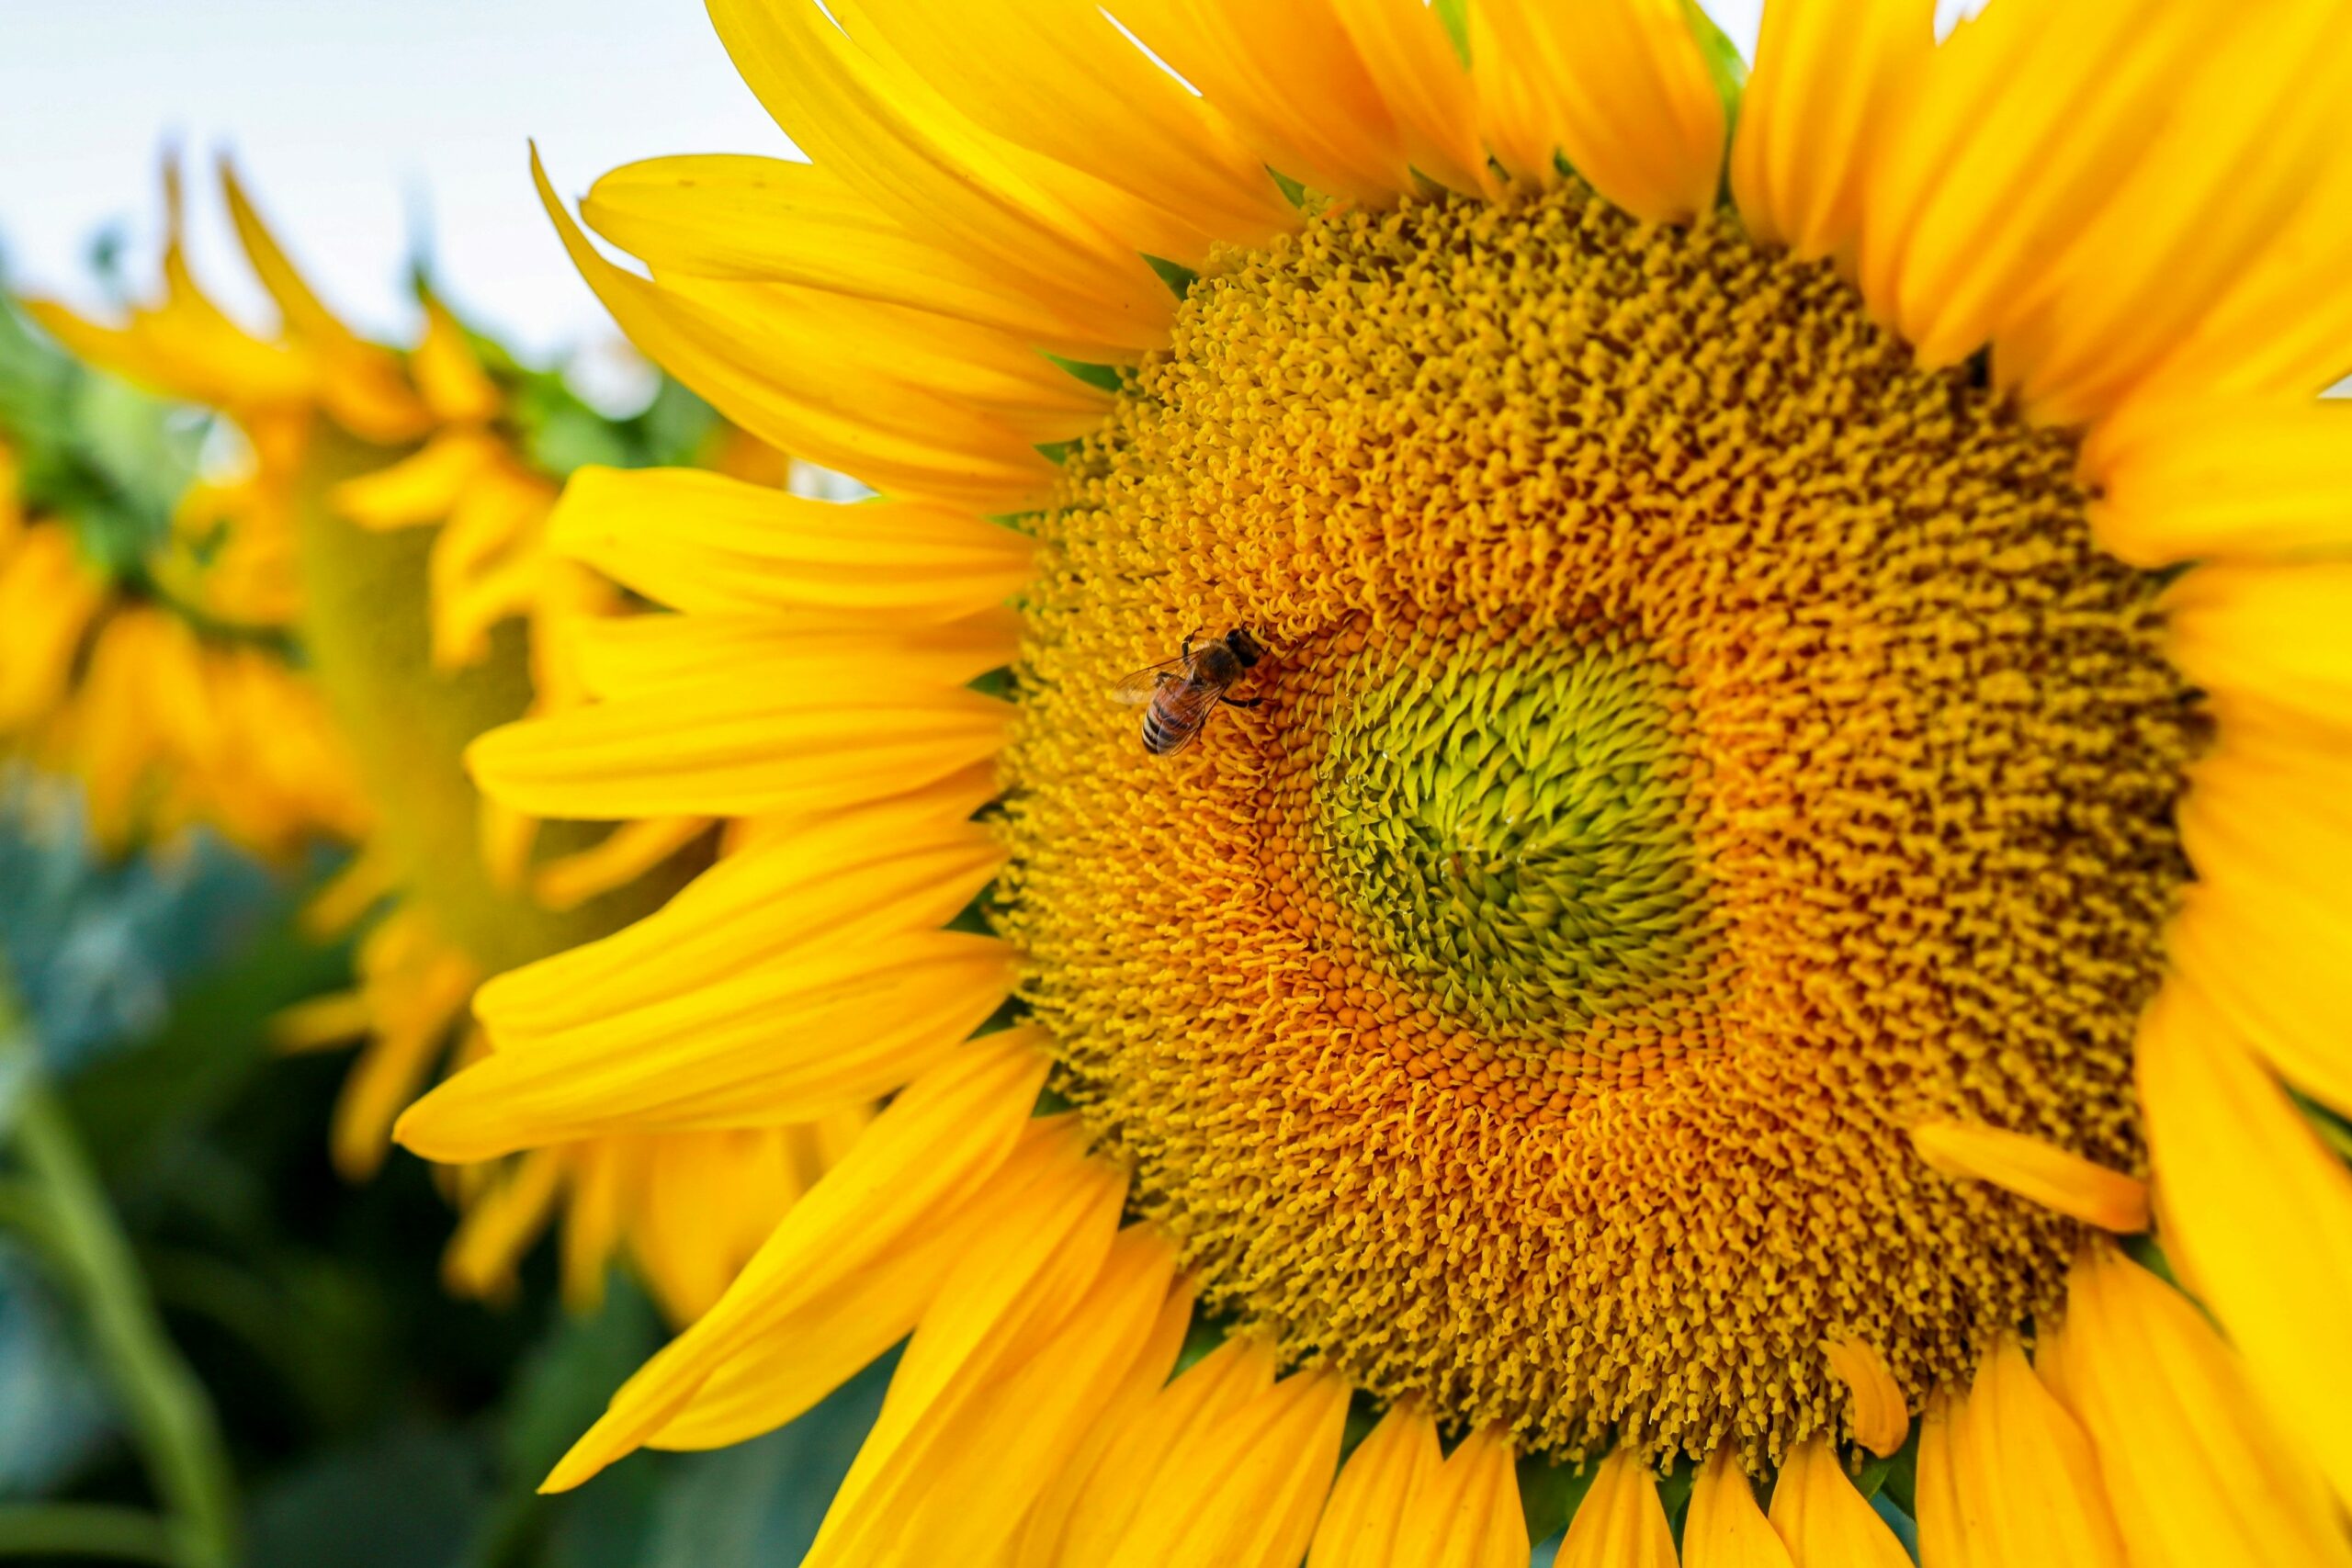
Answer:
[(1674, 1494), (2333, 1130), (1550, 1493), (2143, 1249), (1179, 277), (1726, 67), (1455, 16), (1208, 1331), (1060, 451), (1292, 191), (1897, 1475), (1107, 377)]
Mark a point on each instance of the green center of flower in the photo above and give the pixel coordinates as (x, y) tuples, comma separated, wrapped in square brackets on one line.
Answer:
[(1508, 817)]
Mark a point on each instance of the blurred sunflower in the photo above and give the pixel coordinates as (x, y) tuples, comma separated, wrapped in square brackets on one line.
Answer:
[(126, 661), (388, 510), (1693, 961)]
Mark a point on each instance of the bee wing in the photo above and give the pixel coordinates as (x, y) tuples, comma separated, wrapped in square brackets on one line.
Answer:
[(1186, 713), (1140, 686)]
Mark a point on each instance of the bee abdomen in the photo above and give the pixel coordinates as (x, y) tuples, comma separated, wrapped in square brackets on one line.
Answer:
[(1160, 736)]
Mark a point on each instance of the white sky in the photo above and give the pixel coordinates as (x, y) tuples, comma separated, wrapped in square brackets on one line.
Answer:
[(355, 119)]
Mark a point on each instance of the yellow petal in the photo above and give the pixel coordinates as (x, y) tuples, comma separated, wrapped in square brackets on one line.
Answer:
[(2196, 1470), (604, 1175), (2260, 1210), (956, 1484), (736, 746), (2022, 1473), (2280, 328), (1081, 1531), (1881, 1418), (2036, 1170), (810, 1035), (645, 655), (1058, 78), (47, 602), (934, 1146), (1050, 1517), (689, 1249), (1620, 1523), (1822, 1519), (1831, 79), (734, 216), (2024, 121), (2261, 934), (861, 114), (699, 541), (360, 384), (337, 1019), (1617, 87), (1288, 79), (499, 1224), (2269, 642), (415, 987), (195, 353), (450, 376), (1290, 83), (1467, 1515), (1426, 87), (791, 398), (2235, 155), (1951, 1534), (1363, 1520), (1725, 1528), (617, 859), (2231, 480), (906, 866), (1244, 1491), (422, 488)]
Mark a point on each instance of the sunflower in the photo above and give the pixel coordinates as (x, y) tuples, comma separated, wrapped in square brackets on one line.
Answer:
[(1785, 797), (127, 662), (386, 515)]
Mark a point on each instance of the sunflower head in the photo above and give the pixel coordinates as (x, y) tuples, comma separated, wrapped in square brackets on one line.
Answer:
[(1718, 893)]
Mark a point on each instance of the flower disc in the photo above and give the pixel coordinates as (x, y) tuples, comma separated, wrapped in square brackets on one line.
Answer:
[(1696, 745)]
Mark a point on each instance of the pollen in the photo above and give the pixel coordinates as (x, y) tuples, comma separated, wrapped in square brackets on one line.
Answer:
[(1695, 747)]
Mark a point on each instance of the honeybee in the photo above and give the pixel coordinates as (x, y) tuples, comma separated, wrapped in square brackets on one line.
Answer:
[(1179, 694)]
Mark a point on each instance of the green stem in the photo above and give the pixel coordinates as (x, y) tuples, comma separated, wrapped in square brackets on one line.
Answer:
[(87, 1530), (169, 1417)]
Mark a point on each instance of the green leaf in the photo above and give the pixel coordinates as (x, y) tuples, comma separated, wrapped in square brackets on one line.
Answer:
[(1292, 191), (563, 1385), (213, 1043), (410, 1497), (759, 1503)]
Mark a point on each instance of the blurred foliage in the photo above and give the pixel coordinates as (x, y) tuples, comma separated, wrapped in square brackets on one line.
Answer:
[(92, 448)]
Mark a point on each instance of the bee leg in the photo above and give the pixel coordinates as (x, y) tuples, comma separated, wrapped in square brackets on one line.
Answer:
[(1187, 651), (1241, 701)]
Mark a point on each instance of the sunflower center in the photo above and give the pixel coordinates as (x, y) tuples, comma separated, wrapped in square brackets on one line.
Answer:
[(1694, 746), (1507, 818)]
